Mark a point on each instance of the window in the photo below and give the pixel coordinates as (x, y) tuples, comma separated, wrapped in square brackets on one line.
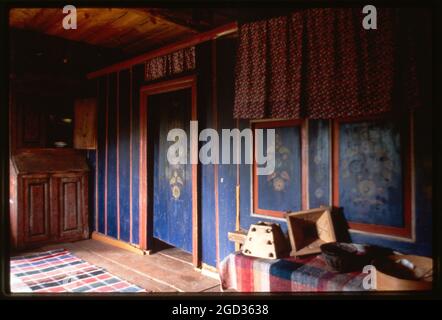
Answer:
[(283, 190), (371, 175)]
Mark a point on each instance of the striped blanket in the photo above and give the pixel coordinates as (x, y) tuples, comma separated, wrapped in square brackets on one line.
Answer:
[(307, 274), (60, 271)]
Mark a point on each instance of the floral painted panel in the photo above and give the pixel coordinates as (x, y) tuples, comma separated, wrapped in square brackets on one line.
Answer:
[(370, 173), (281, 191)]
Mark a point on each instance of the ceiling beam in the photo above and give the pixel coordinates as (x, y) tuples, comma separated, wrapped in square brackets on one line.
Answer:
[(192, 41)]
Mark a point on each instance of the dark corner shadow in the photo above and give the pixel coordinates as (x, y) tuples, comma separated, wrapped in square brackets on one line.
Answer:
[(343, 235), (340, 224)]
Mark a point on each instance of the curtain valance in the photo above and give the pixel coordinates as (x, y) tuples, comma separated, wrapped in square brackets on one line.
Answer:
[(322, 64), (170, 64)]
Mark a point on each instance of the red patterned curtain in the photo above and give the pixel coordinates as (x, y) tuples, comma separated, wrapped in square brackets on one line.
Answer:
[(322, 64), (171, 64)]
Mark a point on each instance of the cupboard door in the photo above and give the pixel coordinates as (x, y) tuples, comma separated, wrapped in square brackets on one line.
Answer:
[(30, 125), (85, 123), (72, 206), (37, 209)]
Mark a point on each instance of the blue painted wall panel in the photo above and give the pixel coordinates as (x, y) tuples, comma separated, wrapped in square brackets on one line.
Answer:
[(207, 189), (424, 178), (208, 245), (137, 80), (226, 173), (124, 154), (227, 195), (101, 151), (112, 158), (226, 191), (319, 163), (227, 207)]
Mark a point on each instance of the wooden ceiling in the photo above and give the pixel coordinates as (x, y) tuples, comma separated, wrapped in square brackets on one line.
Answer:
[(133, 30)]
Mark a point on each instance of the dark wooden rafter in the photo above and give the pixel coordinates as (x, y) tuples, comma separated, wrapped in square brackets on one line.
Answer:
[(191, 41)]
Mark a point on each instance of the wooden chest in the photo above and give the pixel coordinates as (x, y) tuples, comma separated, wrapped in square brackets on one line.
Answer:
[(48, 197)]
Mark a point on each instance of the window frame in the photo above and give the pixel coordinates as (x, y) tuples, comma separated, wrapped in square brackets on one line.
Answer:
[(406, 139), (268, 124)]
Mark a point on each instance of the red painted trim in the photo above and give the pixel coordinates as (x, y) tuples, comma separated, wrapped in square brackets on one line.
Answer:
[(273, 124), (215, 167), (96, 163), (238, 180), (130, 160), (406, 140), (106, 156), (118, 155), (192, 41), (145, 215), (196, 254), (143, 173), (168, 86)]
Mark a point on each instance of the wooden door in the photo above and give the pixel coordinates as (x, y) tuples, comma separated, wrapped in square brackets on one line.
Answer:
[(71, 205), (172, 184), (36, 208)]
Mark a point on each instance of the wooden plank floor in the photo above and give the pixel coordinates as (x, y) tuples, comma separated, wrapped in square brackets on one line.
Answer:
[(169, 270)]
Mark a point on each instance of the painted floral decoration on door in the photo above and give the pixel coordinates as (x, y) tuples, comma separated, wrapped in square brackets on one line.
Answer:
[(280, 178), (176, 180)]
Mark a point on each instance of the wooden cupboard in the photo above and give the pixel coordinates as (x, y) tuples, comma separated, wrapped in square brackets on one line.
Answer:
[(85, 123), (49, 197)]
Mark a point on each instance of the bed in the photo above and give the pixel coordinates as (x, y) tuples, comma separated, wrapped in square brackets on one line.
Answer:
[(302, 274)]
